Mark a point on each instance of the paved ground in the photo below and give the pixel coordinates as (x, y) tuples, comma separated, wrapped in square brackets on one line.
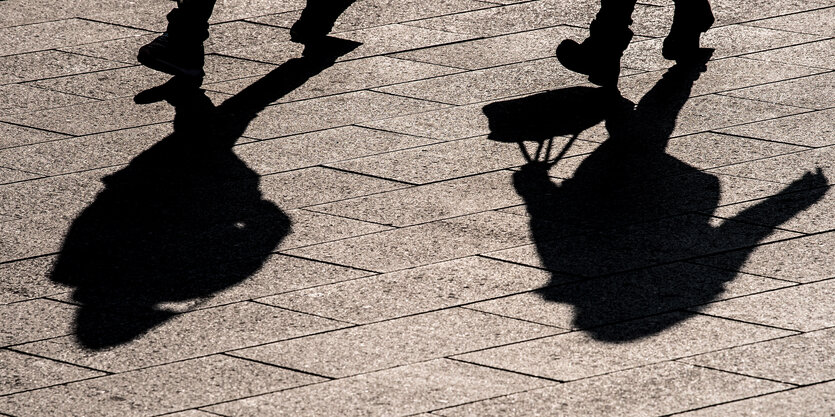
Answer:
[(371, 246)]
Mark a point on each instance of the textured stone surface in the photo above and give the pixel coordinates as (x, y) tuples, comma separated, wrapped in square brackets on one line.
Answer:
[(157, 390), (579, 355), (806, 401), (653, 390), (428, 288), (803, 359), (423, 265), (803, 307), (189, 335), (397, 342), (398, 391), (24, 372)]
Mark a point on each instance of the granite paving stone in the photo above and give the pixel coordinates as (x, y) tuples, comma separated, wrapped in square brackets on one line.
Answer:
[(225, 37), (491, 83), (397, 342), (806, 401), (447, 124), (625, 296), (818, 22), (95, 117), (36, 319), (191, 413), (576, 355), (28, 279), (813, 129), (414, 291), (404, 390), (157, 390), (721, 75), (640, 245), (422, 204), (142, 15), (189, 335), (8, 175), (501, 50), (124, 82), (514, 18), (711, 150), (371, 13), (45, 64), (13, 135), (34, 236), (728, 41), (423, 244), (119, 50), (56, 34), (414, 267), (396, 37), (294, 189), (84, 153), (653, 390), (23, 372), (333, 111), (804, 307), (786, 168), (315, 148), (814, 54), (800, 260), (803, 359), (21, 98), (355, 75), (311, 228), (718, 111), (731, 11), (230, 10), (448, 160), (51, 195), (813, 92), (812, 219)]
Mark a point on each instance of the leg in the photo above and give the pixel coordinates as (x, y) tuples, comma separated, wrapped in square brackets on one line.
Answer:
[(179, 51), (599, 55), (691, 18), (317, 19)]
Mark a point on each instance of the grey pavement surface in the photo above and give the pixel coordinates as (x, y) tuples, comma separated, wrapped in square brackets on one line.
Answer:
[(369, 240)]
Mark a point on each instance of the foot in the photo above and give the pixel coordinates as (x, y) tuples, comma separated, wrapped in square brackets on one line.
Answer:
[(602, 68), (682, 44), (164, 55)]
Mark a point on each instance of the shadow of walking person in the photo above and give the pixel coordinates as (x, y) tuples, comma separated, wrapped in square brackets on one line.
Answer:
[(185, 219), (638, 213)]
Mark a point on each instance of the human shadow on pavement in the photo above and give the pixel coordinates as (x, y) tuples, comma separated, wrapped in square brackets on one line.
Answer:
[(617, 234), (185, 219)]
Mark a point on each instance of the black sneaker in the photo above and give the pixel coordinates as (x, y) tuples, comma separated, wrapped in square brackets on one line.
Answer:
[(163, 55)]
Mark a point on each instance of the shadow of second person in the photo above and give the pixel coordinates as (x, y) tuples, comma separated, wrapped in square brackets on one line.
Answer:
[(185, 219), (633, 214)]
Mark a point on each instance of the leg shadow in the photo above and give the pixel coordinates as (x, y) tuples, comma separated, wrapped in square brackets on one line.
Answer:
[(185, 219), (634, 208)]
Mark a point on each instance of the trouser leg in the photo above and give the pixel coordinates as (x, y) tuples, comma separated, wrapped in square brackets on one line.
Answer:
[(189, 22)]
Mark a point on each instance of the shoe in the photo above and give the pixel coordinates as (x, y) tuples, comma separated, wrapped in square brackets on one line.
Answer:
[(164, 55), (682, 44), (602, 67)]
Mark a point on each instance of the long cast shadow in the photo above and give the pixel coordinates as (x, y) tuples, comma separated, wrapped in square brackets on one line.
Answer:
[(637, 212), (185, 219)]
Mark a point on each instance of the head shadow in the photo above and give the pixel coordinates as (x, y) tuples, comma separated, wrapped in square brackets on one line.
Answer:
[(183, 220), (617, 235)]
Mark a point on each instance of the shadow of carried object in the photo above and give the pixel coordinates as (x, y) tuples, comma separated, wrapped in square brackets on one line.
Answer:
[(617, 235), (185, 219)]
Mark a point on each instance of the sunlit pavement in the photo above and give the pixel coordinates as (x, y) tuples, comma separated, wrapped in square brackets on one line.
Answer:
[(375, 243)]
